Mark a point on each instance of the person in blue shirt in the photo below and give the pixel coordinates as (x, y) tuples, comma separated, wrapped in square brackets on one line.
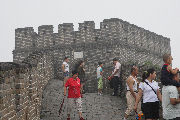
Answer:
[(99, 77)]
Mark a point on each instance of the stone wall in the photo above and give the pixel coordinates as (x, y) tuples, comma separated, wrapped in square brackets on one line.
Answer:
[(22, 85), (115, 38)]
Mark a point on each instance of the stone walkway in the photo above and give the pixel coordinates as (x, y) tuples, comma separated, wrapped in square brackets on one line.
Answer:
[(95, 107)]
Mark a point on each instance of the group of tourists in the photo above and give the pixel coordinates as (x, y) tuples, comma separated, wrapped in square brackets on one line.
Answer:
[(114, 78), (142, 97), (147, 97)]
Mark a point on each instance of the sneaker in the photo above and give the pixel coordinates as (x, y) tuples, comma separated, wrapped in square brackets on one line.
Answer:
[(124, 118), (81, 118), (68, 118)]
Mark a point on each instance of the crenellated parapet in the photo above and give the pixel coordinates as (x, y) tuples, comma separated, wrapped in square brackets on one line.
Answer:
[(66, 33), (86, 30), (114, 38), (24, 38), (110, 29), (45, 36)]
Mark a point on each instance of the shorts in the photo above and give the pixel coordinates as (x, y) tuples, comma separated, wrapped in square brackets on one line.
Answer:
[(66, 74), (100, 83), (151, 110), (74, 102)]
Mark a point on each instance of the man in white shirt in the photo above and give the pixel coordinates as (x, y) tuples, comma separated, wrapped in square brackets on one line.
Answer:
[(115, 76), (65, 69), (171, 101)]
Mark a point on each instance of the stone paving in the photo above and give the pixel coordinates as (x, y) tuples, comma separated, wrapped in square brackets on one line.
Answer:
[(95, 107)]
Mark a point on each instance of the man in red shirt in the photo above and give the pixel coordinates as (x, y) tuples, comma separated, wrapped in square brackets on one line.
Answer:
[(74, 94)]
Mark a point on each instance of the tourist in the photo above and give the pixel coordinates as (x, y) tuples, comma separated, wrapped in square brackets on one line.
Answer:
[(132, 89), (74, 94), (115, 76), (171, 101), (65, 69), (167, 72), (150, 93), (81, 74), (99, 78)]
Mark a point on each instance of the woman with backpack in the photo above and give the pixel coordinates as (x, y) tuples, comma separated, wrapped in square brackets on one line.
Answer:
[(150, 93)]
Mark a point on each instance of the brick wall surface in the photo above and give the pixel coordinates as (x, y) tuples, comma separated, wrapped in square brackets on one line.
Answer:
[(21, 87)]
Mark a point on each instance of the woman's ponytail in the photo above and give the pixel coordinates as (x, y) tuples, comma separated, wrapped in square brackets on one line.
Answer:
[(147, 73)]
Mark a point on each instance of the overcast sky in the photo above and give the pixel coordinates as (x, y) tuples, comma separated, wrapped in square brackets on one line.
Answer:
[(159, 16)]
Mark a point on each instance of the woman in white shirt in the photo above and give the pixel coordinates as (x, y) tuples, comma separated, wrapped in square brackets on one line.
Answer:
[(149, 91)]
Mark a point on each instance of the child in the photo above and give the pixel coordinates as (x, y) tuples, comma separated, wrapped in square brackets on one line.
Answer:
[(167, 72), (74, 95), (99, 77)]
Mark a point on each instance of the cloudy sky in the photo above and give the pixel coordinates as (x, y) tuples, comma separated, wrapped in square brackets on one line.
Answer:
[(159, 16)]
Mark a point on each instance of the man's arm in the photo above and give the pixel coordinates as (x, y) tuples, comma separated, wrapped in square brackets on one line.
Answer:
[(159, 95), (173, 93), (114, 72), (174, 101), (63, 66), (130, 83), (117, 67), (64, 91), (140, 92)]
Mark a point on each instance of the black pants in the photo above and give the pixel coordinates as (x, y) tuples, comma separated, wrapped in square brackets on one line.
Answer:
[(115, 84)]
